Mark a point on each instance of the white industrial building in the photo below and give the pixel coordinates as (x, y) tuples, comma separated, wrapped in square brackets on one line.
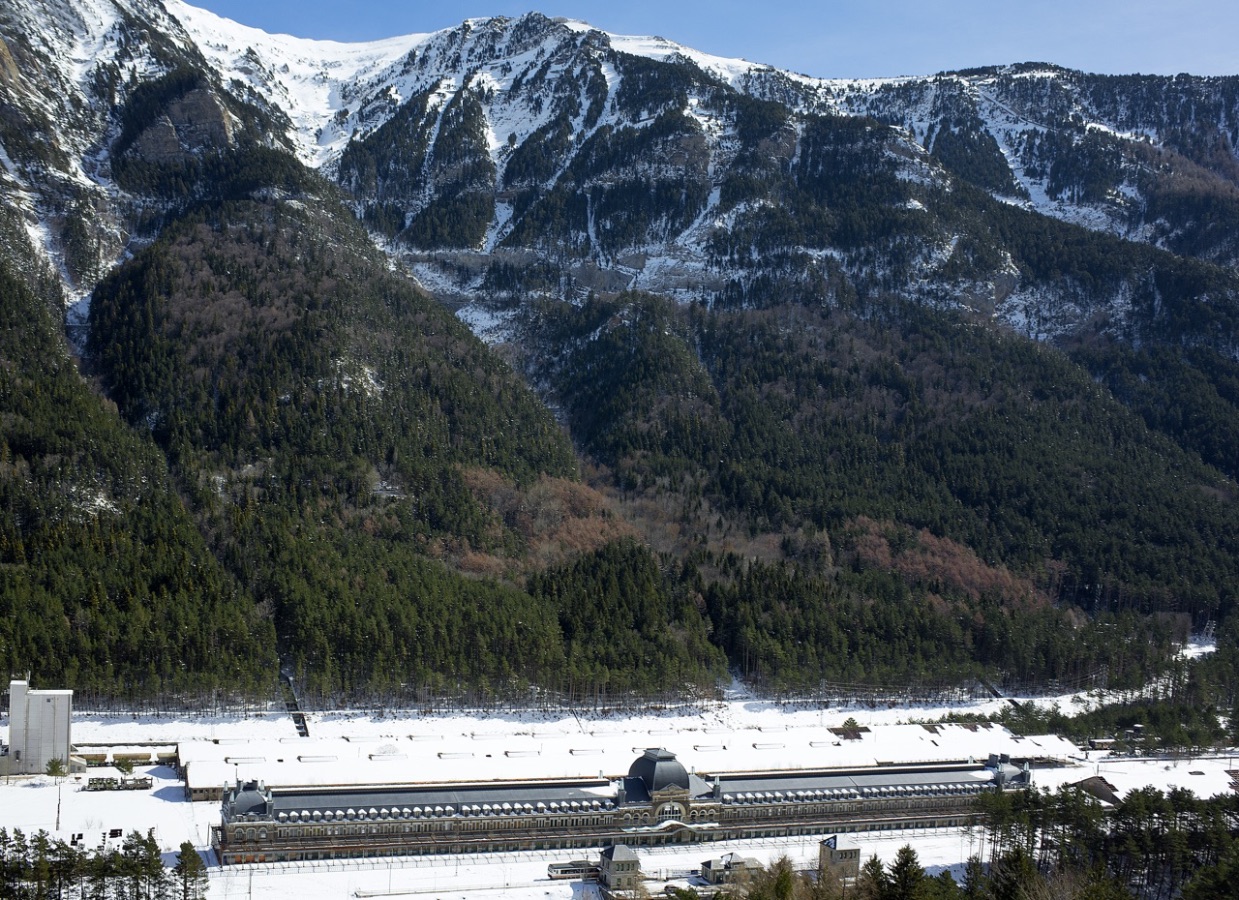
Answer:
[(40, 724)]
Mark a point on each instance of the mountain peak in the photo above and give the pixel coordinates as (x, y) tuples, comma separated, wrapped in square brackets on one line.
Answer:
[(308, 79), (334, 92)]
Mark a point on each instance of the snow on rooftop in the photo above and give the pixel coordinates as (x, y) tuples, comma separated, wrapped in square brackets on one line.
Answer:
[(1204, 777), (31, 804), (521, 755)]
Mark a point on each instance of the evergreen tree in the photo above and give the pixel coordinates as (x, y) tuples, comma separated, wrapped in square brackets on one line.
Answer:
[(873, 882), (974, 879), (1013, 876), (190, 874), (906, 878)]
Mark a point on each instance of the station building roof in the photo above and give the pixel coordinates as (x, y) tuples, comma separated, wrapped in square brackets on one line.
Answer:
[(509, 796), (421, 757), (754, 787)]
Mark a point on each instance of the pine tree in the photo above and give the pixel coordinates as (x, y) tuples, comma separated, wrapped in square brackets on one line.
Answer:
[(190, 873), (974, 879), (906, 876), (872, 883), (1013, 876)]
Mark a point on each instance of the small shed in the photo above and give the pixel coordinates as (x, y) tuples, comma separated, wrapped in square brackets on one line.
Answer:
[(729, 869)]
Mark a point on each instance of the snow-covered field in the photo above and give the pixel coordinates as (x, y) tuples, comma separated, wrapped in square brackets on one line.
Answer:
[(740, 722), (522, 876)]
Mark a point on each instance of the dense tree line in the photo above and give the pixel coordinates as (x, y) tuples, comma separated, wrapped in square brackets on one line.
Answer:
[(1182, 711), (783, 629), (1152, 843), (321, 416), (39, 867), (997, 472), (1191, 394), (1062, 843), (325, 425), (639, 631)]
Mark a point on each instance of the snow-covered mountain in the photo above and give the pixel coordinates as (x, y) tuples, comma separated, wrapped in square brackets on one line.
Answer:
[(633, 162), (618, 161), (1084, 149), (770, 315), (312, 82)]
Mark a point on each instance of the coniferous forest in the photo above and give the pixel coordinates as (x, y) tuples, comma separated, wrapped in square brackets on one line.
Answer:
[(38, 865), (824, 455)]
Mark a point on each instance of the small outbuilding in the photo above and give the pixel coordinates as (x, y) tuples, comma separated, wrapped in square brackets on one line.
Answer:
[(841, 857), (729, 869), (619, 871)]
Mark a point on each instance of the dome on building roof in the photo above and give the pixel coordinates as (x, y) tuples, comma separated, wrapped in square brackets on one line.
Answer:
[(250, 799), (659, 769)]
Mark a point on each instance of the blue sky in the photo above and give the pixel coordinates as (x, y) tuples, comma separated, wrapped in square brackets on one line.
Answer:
[(833, 38)]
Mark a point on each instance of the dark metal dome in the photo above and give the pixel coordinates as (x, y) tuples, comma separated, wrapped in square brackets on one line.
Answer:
[(250, 800), (659, 769)]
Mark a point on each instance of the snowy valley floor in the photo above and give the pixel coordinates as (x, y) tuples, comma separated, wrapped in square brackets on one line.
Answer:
[(66, 809)]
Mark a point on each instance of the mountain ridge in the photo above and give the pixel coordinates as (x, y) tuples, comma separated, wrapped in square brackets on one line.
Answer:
[(807, 94), (765, 355)]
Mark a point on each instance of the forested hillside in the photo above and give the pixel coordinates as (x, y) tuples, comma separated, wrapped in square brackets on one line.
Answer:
[(349, 447), (965, 485), (838, 388), (105, 581)]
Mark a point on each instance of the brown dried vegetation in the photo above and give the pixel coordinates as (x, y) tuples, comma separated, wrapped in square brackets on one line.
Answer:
[(939, 564)]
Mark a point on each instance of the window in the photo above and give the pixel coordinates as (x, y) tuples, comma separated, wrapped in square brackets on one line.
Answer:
[(670, 811)]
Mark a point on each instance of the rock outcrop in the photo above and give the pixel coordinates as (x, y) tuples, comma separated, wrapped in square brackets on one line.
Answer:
[(196, 122)]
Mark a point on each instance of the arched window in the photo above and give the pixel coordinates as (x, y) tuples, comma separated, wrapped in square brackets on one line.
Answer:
[(670, 811)]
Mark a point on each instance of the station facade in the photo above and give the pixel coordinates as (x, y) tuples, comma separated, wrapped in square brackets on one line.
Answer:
[(658, 802)]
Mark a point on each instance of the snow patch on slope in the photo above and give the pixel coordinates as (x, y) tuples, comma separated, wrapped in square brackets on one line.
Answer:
[(493, 326), (308, 79)]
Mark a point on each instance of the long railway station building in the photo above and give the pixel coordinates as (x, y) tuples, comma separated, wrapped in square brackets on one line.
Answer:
[(658, 802)]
